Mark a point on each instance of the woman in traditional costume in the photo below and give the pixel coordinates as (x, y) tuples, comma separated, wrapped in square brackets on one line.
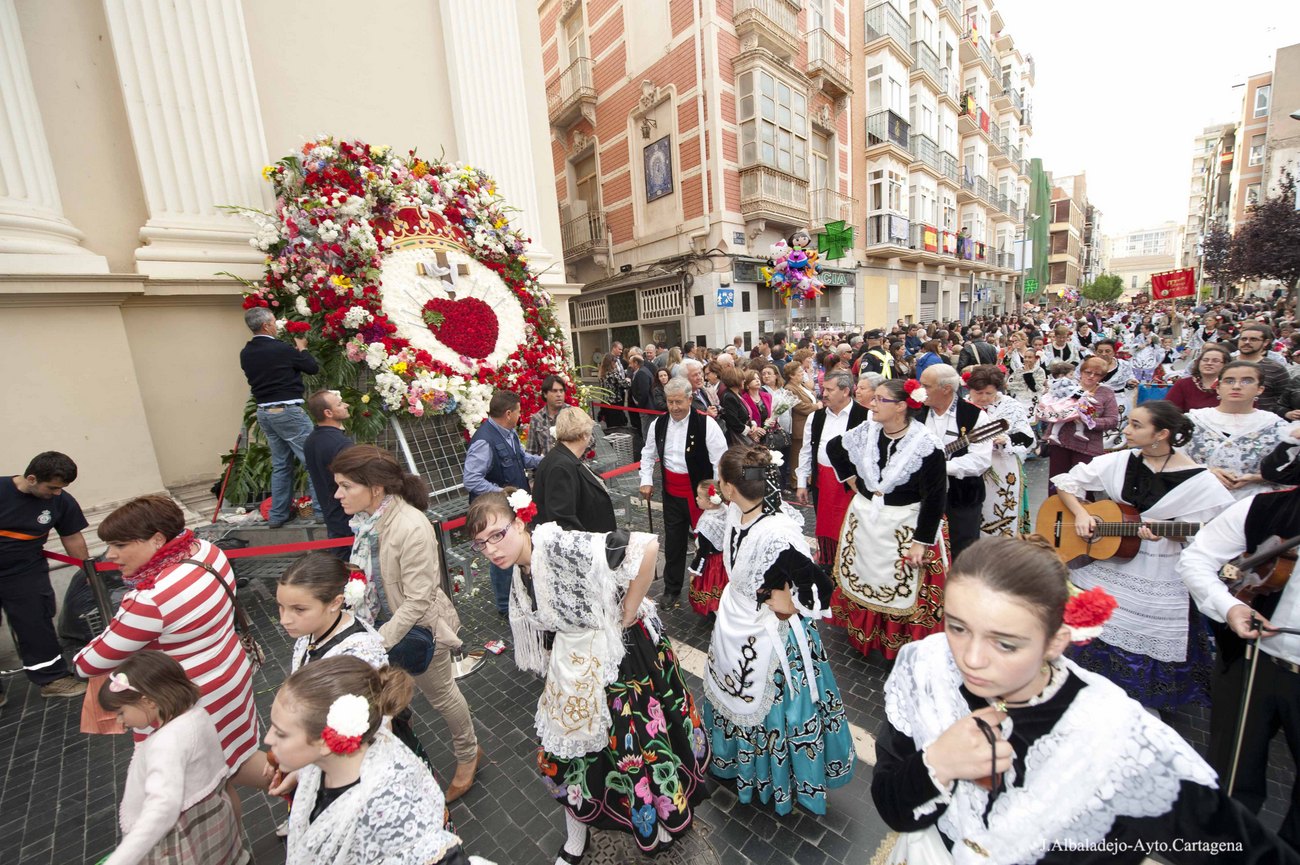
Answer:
[(998, 749), (1151, 648), (1232, 438), (362, 798), (622, 746), (1006, 498), (1027, 375), (1118, 375), (889, 571), (772, 710)]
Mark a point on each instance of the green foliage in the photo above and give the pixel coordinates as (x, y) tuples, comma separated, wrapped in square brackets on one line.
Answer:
[(1104, 289)]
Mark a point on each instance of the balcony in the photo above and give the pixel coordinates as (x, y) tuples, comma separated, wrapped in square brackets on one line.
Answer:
[(773, 195), (949, 169), (975, 50), (997, 146), (1024, 168), (953, 10), (948, 85), (966, 191), (984, 190), (922, 242), (1014, 152), (583, 235), (972, 118), (925, 62), (886, 129), (887, 229), (884, 22), (572, 95), (1003, 209), (925, 154), (829, 65), (829, 205), (1026, 120), (773, 23)]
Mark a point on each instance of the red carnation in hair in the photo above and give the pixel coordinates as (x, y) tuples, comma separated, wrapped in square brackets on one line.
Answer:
[(527, 513), (1086, 613), (909, 386), (338, 743), (965, 375)]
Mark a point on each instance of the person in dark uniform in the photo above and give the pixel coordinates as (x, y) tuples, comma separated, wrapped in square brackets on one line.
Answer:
[(947, 417), (31, 505), (326, 441)]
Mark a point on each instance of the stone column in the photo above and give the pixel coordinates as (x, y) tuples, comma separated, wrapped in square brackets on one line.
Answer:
[(490, 111), (187, 80), (35, 237)]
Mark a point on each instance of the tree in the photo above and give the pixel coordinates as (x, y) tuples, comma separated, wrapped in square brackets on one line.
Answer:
[(1219, 264), (1104, 288), (1267, 244)]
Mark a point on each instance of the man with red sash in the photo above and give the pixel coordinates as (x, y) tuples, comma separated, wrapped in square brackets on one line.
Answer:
[(688, 445), (840, 414)]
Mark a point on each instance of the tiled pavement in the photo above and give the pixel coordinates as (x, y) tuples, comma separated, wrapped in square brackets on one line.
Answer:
[(59, 789)]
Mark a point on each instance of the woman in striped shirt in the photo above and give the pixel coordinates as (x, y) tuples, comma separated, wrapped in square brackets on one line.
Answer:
[(176, 605)]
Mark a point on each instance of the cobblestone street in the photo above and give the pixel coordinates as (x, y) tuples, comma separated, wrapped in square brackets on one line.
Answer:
[(59, 790)]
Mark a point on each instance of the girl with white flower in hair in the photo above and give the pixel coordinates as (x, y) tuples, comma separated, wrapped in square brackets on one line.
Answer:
[(362, 798), (622, 745), (708, 574)]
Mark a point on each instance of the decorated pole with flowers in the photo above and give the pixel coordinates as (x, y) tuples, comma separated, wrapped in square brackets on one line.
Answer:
[(408, 271)]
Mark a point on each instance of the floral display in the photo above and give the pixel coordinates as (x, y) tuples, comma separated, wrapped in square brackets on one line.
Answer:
[(350, 264)]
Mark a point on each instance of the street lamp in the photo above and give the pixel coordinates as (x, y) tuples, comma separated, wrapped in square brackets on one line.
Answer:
[(1024, 235)]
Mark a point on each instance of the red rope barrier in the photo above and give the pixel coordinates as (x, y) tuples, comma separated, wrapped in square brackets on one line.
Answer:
[(627, 408)]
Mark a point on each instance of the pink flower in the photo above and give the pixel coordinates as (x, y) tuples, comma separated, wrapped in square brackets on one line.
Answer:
[(643, 790), (630, 762), (664, 805), (657, 724)]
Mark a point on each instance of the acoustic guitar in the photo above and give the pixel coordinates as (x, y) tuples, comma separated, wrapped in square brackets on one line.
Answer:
[(1115, 535), (975, 436)]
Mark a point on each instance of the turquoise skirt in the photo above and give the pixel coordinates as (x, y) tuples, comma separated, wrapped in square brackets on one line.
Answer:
[(800, 751)]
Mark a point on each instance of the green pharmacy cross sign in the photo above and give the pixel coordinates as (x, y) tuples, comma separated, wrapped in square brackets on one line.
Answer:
[(837, 239), (1031, 286)]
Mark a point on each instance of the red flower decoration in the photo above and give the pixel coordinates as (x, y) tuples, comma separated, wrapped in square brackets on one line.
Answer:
[(965, 375), (909, 386), (1090, 609), (298, 327), (338, 743), (527, 513)]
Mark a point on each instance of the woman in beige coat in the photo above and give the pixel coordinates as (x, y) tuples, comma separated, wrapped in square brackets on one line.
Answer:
[(395, 541), (796, 381)]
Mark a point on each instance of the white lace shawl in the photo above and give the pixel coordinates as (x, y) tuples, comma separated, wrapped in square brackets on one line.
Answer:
[(712, 525), (862, 444), (368, 646), (1105, 759), (1013, 411), (759, 551), (1217, 442), (392, 816)]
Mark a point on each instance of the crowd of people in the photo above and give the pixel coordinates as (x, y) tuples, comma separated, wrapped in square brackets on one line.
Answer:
[(1026, 701)]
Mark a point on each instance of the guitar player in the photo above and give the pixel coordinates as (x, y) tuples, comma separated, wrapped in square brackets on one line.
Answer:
[(1275, 693), (947, 417)]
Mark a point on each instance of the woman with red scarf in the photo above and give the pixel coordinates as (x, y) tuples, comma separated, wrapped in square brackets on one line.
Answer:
[(180, 603)]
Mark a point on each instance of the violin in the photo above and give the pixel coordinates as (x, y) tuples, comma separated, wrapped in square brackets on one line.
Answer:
[(1265, 572)]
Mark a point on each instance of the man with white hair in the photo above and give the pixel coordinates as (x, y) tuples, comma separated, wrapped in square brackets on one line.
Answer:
[(688, 446), (830, 497), (703, 400), (947, 418)]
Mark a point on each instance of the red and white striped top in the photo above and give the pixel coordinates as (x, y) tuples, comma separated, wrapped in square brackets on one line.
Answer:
[(189, 616)]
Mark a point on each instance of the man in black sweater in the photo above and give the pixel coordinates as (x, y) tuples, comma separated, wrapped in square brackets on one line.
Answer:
[(329, 411), (274, 372)]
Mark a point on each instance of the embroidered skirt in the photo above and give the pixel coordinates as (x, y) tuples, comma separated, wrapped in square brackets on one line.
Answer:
[(800, 751), (1155, 684), (207, 833), (707, 586), (652, 773), (886, 614)]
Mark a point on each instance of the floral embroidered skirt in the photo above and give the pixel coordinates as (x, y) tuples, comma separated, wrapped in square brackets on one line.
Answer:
[(869, 628), (800, 751), (1155, 684), (652, 774), (706, 587)]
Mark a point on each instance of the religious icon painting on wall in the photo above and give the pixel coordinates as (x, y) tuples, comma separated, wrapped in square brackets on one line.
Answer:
[(658, 169)]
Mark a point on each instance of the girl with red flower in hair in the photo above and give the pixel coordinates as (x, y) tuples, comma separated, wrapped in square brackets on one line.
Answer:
[(708, 574), (997, 748)]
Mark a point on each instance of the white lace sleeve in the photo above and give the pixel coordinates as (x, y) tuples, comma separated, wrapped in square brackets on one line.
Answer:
[(1084, 477)]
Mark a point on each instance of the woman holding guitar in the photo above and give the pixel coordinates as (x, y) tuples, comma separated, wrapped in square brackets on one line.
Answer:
[(1148, 647)]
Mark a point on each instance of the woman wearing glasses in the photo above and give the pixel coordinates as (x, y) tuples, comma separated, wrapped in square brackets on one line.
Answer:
[(890, 570), (622, 745), (1232, 438), (1073, 450)]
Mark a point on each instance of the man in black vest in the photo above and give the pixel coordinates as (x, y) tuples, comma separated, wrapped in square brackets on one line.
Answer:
[(689, 446), (947, 417), (274, 372), (976, 351), (831, 498), (496, 459), (1275, 692)]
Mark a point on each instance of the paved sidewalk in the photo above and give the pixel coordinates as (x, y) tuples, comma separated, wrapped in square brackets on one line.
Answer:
[(59, 790)]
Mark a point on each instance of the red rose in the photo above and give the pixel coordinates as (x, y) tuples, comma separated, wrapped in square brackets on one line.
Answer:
[(1090, 609), (298, 327)]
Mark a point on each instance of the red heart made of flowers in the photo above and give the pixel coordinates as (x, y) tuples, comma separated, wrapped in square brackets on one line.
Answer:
[(469, 327)]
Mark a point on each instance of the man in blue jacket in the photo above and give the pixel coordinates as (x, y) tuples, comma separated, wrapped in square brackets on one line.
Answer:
[(496, 459)]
